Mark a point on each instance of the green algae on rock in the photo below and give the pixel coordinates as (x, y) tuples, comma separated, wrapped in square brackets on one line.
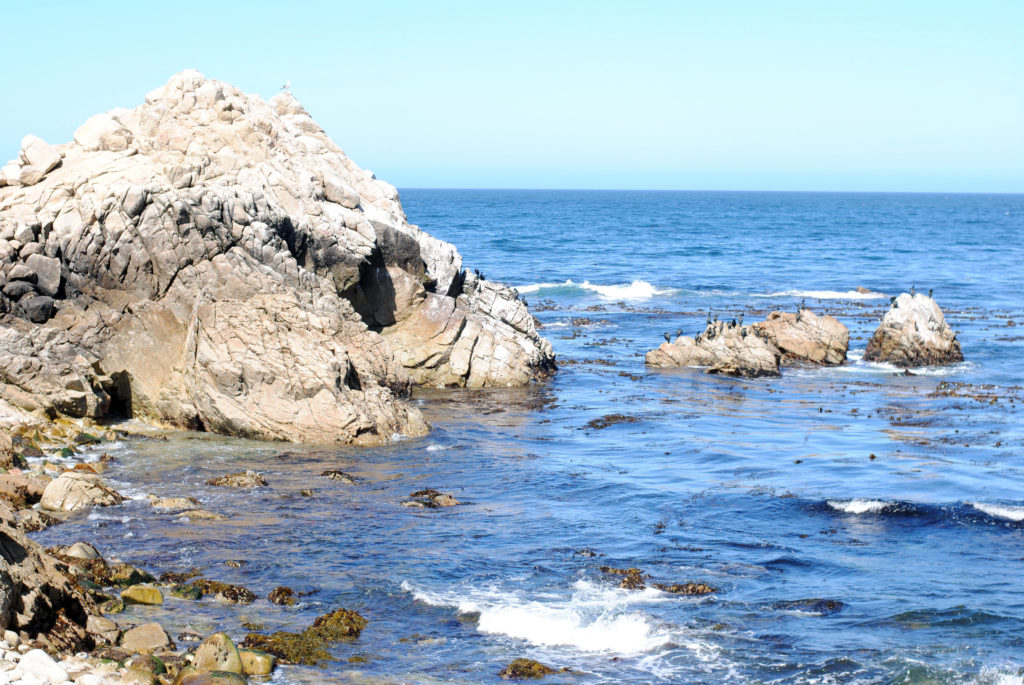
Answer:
[(522, 669)]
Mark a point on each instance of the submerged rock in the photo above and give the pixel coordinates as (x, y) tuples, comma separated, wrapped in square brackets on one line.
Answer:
[(758, 349), (523, 669), (282, 595), (430, 499), (246, 479), (74, 490), (340, 476), (310, 646), (914, 333), (211, 260)]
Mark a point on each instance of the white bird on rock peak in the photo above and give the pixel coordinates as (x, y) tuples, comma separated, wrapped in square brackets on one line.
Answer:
[(287, 86)]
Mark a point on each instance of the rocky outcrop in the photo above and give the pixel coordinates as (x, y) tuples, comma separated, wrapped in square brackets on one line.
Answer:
[(758, 349), (914, 333), (36, 598), (805, 337), (74, 490), (214, 261)]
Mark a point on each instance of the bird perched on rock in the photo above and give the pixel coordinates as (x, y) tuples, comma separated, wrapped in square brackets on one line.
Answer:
[(913, 291), (741, 319), (930, 291), (803, 303), (743, 333), (716, 318), (892, 300), (287, 86), (708, 322), (679, 333), (668, 337), (732, 324)]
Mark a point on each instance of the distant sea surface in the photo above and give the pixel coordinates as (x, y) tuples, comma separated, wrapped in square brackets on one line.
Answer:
[(859, 525)]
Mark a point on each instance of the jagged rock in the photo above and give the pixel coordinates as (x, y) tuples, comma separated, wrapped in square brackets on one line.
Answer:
[(36, 597), (74, 490), (430, 499), (103, 630), (914, 333), (224, 266), (758, 349), (722, 349), (806, 337)]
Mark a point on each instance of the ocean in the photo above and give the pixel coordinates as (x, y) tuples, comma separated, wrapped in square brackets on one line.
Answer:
[(859, 525)]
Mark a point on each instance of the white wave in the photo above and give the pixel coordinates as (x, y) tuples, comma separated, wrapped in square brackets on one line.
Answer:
[(1002, 511), (827, 294), (858, 365), (637, 290), (434, 447), (858, 505), (592, 619)]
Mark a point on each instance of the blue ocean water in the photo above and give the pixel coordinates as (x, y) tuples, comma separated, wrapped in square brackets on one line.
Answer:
[(859, 525)]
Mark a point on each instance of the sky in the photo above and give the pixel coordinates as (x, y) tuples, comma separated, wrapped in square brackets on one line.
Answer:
[(726, 95)]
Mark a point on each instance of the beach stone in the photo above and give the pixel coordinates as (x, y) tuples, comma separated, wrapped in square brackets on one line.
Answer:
[(193, 677), (914, 333), (245, 479), (81, 550), (237, 273), (103, 629), (137, 676), (282, 595), (147, 638), (340, 476), (72, 491), (257, 663), (22, 272), (218, 653), (142, 594), (39, 665), (146, 663)]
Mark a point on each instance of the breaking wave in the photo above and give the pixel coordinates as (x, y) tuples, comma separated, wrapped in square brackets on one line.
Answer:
[(827, 294), (637, 290)]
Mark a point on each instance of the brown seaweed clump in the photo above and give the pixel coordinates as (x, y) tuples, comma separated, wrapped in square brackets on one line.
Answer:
[(632, 578), (522, 669), (309, 647)]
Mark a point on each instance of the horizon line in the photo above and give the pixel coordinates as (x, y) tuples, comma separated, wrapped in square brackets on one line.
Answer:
[(717, 190)]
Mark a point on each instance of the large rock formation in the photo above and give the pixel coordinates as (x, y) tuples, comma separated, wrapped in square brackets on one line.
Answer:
[(760, 348), (214, 261), (914, 333), (37, 599)]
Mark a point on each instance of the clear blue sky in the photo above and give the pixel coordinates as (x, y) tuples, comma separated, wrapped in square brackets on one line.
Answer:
[(815, 95)]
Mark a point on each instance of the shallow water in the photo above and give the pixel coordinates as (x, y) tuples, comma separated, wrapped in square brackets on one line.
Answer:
[(765, 489)]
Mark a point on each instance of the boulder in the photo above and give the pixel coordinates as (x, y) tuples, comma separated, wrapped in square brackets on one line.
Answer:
[(214, 261), (218, 653), (147, 638), (38, 153), (758, 349), (914, 333), (40, 667), (173, 503), (103, 630), (47, 271), (724, 349), (74, 490), (82, 550), (805, 337), (430, 499), (142, 594), (257, 663)]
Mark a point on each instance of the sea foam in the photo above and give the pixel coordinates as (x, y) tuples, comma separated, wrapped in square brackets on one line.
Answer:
[(858, 505), (637, 290), (592, 619), (1001, 511), (827, 294)]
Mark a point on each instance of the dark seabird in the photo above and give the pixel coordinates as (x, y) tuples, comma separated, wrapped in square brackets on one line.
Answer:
[(716, 318), (803, 303), (912, 291), (892, 300), (477, 272), (732, 324), (743, 333), (708, 322), (482, 277), (679, 333), (741, 319), (525, 302), (668, 337), (930, 291)]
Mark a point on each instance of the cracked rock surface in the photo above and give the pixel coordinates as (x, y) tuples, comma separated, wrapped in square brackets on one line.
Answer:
[(211, 260)]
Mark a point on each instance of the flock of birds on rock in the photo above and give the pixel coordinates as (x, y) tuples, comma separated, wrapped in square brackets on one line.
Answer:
[(710, 331)]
